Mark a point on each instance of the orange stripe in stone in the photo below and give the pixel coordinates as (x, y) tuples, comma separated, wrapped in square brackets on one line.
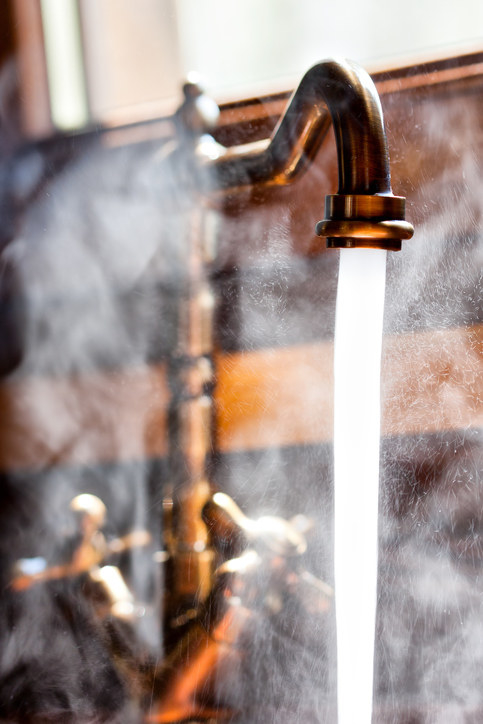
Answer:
[(90, 418), (432, 381)]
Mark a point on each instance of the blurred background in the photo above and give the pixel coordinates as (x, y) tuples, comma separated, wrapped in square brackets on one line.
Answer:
[(83, 62)]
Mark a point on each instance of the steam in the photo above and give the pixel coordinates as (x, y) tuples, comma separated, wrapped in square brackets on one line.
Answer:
[(429, 630), (97, 264), (92, 278), (428, 638)]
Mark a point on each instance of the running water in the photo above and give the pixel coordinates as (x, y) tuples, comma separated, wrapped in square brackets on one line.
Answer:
[(357, 362)]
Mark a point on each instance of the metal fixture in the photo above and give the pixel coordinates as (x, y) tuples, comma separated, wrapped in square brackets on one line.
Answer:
[(198, 114), (268, 550), (190, 561), (364, 212), (215, 556)]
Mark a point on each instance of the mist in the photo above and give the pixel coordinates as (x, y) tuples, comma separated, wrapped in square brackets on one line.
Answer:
[(94, 274)]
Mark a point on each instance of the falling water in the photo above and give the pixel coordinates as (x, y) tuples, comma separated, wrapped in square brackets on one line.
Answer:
[(358, 337)]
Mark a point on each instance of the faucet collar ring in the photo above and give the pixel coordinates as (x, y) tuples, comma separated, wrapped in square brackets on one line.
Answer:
[(381, 207), (348, 234), (364, 220)]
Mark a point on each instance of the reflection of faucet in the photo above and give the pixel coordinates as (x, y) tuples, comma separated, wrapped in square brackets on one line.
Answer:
[(197, 115), (87, 558), (260, 576), (264, 581)]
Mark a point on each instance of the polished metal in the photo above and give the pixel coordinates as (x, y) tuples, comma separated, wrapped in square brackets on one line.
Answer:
[(357, 220), (190, 562), (364, 212), (198, 114)]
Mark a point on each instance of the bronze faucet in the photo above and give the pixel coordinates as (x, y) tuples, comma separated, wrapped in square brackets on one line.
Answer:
[(364, 212)]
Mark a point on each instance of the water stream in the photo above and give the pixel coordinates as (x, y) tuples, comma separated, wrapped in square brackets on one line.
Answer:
[(357, 357)]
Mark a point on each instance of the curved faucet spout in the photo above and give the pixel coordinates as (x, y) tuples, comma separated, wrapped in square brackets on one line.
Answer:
[(349, 95), (364, 212)]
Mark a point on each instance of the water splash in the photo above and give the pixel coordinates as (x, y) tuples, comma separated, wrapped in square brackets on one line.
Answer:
[(357, 360)]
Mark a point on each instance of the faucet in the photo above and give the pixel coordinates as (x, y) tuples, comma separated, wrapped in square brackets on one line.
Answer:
[(364, 212)]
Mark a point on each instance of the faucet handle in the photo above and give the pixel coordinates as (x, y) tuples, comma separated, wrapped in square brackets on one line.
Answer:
[(278, 536), (226, 523), (90, 552)]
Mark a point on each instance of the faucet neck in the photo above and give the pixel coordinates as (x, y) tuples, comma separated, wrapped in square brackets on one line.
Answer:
[(364, 212), (353, 103), (347, 92)]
